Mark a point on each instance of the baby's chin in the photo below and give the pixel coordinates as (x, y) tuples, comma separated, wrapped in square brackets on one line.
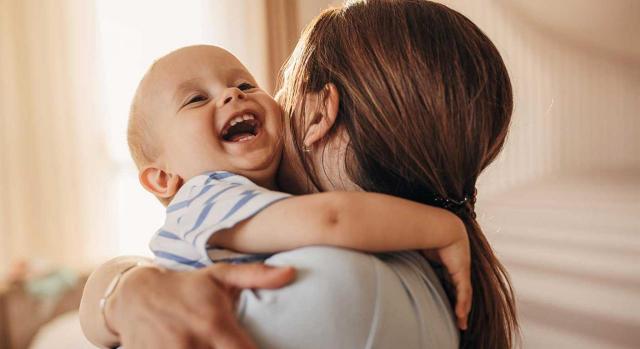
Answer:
[(259, 165), (257, 161)]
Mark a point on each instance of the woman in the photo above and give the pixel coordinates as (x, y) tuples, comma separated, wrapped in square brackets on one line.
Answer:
[(407, 98)]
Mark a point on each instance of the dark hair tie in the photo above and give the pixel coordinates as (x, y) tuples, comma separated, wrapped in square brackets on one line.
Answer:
[(456, 206), (450, 203)]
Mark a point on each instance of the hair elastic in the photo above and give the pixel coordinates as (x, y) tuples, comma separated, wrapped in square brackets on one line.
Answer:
[(450, 203), (456, 205)]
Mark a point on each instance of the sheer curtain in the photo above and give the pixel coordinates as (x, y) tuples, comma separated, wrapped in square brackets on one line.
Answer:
[(51, 153), (68, 191)]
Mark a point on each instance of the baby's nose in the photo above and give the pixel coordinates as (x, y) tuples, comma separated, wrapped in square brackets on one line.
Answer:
[(230, 94)]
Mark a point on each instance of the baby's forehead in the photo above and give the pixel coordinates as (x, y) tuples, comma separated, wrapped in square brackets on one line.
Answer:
[(188, 68)]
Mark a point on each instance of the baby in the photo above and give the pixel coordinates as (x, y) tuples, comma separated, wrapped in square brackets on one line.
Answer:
[(208, 141)]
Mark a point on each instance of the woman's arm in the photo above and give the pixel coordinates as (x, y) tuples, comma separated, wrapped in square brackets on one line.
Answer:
[(342, 299), (156, 308), (91, 319)]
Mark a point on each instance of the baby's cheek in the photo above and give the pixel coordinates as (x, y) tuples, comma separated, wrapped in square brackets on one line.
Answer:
[(274, 115), (198, 125)]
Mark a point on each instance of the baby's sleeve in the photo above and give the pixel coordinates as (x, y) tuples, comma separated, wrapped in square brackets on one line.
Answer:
[(203, 206)]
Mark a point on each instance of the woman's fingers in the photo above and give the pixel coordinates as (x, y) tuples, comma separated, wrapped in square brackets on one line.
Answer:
[(255, 275), (231, 336), (216, 322), (195, 309)]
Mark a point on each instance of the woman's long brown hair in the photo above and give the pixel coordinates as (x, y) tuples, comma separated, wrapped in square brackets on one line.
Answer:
[(426, 101)]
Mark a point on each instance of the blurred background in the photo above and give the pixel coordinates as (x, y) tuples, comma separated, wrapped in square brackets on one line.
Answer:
[(561, 205)]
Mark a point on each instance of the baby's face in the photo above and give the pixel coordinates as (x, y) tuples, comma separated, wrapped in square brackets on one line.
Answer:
[(207, 113)]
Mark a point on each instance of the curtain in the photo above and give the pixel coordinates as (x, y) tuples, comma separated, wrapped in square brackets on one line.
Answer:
[(51, 155), (283, 30)]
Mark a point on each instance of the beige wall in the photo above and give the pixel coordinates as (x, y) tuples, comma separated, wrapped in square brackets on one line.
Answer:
[(576, 108), (308, 9)]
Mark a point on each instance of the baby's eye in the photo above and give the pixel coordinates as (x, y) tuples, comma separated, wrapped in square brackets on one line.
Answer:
[(245, 86), (196, 99)]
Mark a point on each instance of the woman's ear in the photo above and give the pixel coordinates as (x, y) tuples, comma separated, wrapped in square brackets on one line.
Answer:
[(324, 116), (160, 183)]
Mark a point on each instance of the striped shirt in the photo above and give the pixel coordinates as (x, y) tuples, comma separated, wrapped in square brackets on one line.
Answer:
[(204, 205)]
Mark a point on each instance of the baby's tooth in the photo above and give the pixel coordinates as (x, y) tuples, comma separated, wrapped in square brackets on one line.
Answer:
[(241, 118)]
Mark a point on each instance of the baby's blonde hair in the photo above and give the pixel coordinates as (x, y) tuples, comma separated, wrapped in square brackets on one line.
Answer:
[(139, 134)]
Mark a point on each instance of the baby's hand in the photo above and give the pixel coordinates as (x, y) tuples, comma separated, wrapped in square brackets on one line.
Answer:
[(456, 258)]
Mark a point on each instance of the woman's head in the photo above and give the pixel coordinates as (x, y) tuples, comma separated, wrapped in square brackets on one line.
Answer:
[(423, 101)]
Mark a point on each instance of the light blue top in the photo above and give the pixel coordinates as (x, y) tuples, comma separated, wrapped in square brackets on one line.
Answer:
[(346, 299)]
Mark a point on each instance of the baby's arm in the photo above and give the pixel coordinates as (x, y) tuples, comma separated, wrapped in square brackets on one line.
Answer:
[(364, 221)]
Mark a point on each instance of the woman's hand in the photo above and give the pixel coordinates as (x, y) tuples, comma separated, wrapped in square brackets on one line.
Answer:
[(456, 258), (154, 308)]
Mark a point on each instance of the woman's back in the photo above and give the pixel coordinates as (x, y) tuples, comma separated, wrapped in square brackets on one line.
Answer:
[(346, 299)]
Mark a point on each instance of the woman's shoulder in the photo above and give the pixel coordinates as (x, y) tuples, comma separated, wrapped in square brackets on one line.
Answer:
[(334, 289), (343, 299)]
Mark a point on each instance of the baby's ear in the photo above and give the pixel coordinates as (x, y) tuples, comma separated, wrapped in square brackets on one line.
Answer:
[(159, 182), (324, 117)]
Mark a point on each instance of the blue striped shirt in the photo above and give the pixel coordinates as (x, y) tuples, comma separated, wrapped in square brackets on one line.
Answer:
[(204, 205)]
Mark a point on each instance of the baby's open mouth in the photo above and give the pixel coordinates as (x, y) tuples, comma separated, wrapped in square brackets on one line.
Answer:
[(241, 128)]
